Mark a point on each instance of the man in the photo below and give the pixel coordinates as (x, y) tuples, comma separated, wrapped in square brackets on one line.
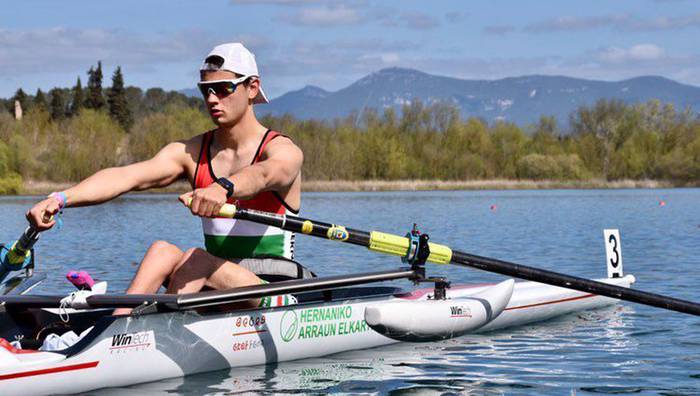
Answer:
[(241, 161)]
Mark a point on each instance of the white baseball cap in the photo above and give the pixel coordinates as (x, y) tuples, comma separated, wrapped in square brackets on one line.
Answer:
[(236, 58)]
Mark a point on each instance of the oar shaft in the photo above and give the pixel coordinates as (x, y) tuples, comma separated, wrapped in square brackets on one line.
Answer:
[(441, 254), (300, 225), (573, 282)]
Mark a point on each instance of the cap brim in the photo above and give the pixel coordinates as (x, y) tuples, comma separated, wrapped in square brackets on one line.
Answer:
[(261, 97)]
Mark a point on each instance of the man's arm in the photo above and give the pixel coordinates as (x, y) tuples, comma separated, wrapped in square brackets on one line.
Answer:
[(161, 170), (164, 168), (280, 166)]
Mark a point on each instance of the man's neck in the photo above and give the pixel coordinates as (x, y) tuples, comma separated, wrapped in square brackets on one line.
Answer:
[(246, 128)]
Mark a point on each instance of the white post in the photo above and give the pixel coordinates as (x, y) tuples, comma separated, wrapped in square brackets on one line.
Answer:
[(18, 110)]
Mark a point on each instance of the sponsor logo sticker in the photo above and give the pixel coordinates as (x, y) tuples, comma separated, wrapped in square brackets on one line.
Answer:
[(289, 325), (132, 342), (338, 233), (252, 324), (460, 311), (247, 345), (320, 322)]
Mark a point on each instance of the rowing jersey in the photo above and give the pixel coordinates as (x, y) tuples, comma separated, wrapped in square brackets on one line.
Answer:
[(230, 238)]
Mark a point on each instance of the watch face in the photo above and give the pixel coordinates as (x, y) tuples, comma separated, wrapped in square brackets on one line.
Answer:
[(225, 183)]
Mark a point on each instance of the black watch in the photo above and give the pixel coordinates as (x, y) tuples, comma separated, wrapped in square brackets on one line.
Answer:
[(227, 184)]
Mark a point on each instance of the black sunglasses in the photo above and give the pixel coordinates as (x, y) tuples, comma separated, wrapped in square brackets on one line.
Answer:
[(219, 87)]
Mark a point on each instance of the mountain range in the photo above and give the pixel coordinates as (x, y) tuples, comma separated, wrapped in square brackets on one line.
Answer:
[(521, 100)]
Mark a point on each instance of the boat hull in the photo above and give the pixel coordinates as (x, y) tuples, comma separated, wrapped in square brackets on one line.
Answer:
[(122, 351)]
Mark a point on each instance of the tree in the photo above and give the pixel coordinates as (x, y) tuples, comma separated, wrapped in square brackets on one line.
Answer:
[(606, 122), (545, 139), (78, 99), (118, 105), (40, 100), (134, 97), (155, 99), (95, 99), (58, 104)]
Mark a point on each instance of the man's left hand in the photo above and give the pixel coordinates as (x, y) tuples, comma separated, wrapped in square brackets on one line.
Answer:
[(206, 202)]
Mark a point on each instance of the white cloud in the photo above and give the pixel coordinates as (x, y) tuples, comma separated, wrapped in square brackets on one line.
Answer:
[(626, 22), (275, 2), (61, 49), (665, 23), (639, 52), (391, 57), (296, 3), (419, 20), (571, 23), (323, 16)]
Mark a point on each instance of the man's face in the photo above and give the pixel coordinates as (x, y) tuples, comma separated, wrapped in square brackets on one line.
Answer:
[(226, 109)]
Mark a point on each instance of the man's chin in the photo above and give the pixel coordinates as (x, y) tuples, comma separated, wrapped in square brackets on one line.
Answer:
[(222, 121)]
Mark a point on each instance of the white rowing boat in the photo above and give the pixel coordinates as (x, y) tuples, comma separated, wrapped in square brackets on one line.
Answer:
[(120, 351), (171, 336)]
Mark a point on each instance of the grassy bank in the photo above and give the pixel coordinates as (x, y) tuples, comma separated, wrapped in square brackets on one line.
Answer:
[(44, 187)]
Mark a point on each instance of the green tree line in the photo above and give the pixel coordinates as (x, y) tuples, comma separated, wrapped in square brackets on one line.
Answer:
[(71, 133)]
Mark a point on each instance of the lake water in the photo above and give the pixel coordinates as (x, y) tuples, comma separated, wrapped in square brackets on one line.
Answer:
[(623, 349)]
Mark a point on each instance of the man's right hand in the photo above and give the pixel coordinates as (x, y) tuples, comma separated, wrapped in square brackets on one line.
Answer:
[(41, 215)]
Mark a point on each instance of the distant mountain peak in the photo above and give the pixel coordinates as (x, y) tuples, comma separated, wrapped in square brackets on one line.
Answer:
[(393, 74), (312, 91), (401, 71), (521, 99)]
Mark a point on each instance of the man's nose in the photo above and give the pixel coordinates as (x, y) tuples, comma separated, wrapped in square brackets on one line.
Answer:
[(211, 97)]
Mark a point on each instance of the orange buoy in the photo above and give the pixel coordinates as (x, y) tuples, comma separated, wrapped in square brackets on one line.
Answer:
[(662, 203)]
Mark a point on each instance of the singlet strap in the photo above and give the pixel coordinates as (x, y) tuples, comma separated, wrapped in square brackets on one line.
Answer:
[(203, 163), (267, 138)]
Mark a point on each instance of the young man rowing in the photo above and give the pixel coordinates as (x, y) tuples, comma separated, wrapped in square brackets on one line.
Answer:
[(241, 161)]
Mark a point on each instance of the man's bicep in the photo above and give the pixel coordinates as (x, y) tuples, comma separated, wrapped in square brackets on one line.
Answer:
[(161, 170), (282, 164)]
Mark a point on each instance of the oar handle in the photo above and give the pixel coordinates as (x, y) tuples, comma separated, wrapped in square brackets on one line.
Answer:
[(227, 210)]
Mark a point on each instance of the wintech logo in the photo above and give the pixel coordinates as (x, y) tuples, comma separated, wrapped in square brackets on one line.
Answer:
[(460, 311), (127, 342)]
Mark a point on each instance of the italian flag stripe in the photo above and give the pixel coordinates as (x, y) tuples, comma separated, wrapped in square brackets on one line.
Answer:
[(245, 246)]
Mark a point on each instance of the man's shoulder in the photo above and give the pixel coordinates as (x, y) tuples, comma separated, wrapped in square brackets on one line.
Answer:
[(188, 147), (280, 139), (197, 139), (280, 144), (194, 142)]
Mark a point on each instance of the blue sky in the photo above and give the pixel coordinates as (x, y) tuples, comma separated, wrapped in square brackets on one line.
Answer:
[(330, 44)]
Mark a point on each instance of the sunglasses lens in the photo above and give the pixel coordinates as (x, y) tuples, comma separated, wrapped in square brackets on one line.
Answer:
[(218, 88)]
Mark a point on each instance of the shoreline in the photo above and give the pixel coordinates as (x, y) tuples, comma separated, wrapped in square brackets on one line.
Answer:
[(44, 187)]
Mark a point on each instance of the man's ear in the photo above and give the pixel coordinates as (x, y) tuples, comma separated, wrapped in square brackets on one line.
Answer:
[(253, 89)]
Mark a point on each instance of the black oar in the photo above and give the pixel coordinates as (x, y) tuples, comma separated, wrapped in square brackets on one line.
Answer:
[(207, 298), (441, 254)]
